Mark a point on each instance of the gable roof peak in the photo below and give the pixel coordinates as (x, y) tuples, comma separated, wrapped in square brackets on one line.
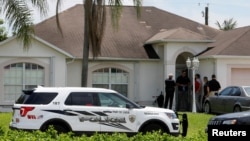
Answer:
[(178, 34)]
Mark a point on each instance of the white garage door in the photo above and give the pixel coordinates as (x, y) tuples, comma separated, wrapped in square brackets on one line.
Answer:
[(240, 76)]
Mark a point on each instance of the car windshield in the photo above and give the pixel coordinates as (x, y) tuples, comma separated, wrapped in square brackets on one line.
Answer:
[(132, 102), (247, 89)]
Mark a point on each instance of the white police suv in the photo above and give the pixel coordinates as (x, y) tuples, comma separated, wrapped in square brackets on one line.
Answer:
[(88, 110)]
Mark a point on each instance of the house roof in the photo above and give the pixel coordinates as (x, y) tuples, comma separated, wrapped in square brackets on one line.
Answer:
[(178, 35), (128, 41), (232, 42)]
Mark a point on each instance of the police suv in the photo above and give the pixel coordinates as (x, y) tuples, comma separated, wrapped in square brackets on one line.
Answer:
[(88, 110)]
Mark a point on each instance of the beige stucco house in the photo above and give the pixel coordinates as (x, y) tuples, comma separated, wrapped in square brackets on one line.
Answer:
[(134, 60)]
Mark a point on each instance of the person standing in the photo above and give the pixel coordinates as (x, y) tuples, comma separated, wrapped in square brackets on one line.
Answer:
[(169, 90), (205, 90), (182, 82), (198, 92), (213, 86)]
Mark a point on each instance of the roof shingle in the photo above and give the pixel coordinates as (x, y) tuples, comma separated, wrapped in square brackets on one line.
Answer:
[(179, 35), (232, 42), (127, 42)]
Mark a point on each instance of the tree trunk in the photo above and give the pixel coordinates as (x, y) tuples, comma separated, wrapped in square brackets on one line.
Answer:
[(85, 57)]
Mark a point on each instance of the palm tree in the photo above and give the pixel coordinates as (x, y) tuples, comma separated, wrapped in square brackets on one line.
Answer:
[(3, 33), (227, 24), (95, 18), (19, 17)]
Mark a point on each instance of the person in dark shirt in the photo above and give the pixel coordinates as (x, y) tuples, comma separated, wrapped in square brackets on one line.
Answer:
[(169, 89), (182, 82), (213, 86)]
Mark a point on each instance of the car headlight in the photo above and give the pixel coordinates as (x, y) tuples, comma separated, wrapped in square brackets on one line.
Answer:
[(229, 122), (171, 115)]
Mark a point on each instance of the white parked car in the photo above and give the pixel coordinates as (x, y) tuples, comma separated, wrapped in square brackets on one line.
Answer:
[(88, 110)]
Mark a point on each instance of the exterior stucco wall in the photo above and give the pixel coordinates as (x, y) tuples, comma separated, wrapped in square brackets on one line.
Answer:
[(38, 53), (225, 65), (173, 50), (150, 82), (222, 66), (74, 71), (145, 77), (144, 82), (207, 67)]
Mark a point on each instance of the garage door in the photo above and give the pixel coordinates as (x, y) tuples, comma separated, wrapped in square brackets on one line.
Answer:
[(240, 76)]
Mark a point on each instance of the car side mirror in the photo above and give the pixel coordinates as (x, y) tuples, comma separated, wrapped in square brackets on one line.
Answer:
[(238, 94), (129, 106)]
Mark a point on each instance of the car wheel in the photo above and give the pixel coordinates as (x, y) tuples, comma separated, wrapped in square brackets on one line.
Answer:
[(237, 109), (207, 108), (152, 127), (59, 128)]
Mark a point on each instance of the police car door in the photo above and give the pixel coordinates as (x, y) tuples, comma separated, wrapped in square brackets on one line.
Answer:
[(81, 111), (116, 117)]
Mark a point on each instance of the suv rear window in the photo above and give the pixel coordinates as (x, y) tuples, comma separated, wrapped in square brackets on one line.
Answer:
[(36, 98)]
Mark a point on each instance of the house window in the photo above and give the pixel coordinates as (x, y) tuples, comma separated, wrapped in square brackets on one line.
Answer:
[(19, 76), (111, 78)]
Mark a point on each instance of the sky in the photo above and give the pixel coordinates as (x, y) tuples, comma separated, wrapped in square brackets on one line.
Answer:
[(218, 10)]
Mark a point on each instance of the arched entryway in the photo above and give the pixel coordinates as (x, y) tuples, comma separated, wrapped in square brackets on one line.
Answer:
[(180, 66)]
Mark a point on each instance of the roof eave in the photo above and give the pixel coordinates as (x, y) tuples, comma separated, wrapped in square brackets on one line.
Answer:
[(223, 57), (7, 40), (121, 59), (179, 41), (54, 47)]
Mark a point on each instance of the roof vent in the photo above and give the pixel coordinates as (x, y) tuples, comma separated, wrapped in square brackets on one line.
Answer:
[(199, 28), (143, 22), (162, 30)]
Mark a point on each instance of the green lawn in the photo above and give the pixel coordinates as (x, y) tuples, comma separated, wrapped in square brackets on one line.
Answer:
[(5, 119), (197, 123)]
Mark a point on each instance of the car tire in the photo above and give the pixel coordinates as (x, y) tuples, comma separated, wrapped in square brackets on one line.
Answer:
[(207, 108), (152, 128), (57, 127), (237, 109)]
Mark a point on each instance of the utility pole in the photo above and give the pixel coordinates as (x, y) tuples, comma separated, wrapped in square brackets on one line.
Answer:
[(206, 15)]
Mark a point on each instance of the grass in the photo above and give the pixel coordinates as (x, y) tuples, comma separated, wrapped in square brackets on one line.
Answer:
[(5, 119), (196, 123)]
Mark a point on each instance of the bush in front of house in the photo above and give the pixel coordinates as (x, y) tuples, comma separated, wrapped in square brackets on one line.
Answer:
[(51, 135)]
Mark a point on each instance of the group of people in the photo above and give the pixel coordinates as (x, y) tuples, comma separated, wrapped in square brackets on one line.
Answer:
[(182, 84)]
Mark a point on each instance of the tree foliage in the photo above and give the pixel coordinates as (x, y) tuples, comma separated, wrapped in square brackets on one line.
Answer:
[(19, 17), (3, 32), (227, 24)]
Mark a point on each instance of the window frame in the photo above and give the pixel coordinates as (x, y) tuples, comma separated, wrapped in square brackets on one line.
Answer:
[(109, 80), (27, 80)]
